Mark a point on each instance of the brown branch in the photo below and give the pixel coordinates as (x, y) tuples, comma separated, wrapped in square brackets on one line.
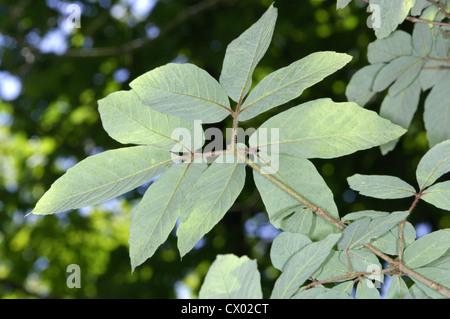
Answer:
[(337, 223), (417, 20)]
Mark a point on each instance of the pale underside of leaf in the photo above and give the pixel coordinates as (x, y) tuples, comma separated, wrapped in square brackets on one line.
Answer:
[(129, 121), (231, 277), (438, 195), (301, 265), (391, 14), (284, 246), (183, 90), (362, 231), (359, 88), (213, 194), (159, 209), (400, 109), (299, 175), (104, 176), (380, 186), (434, 164), (289, 82), (427, 248), (437, 113), (325, 129), (243, 54), (387, 49)]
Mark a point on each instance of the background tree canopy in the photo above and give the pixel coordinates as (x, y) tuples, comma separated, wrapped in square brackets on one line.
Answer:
[(51, 78)]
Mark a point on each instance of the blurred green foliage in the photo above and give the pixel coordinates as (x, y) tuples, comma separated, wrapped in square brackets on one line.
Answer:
[(54, 123)]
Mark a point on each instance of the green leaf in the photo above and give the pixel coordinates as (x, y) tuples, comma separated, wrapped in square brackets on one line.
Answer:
[(299, 219), (392, 13), (389, 242), (346, 287), (332, 268), (321, 293), (183, 90), (284, 246), (397, 289), (419, 6), (231, 277), (289, 82), (380, 186), (159, 209), (301, 265), (434, 164), (439, 275), (422, 39), (364, 213), (353, 232), (442, 262), (436, 115), (362, 260), (301, 176), (243, 54), (415, 292), (438, 195), (429, 77), (326, 129), (359, 88), (342, 4), (104, 176), (400, 109), (403, 70), (427, 248), (128, 121), (366, 230), (385, 50), (365, 289), (213, 194)]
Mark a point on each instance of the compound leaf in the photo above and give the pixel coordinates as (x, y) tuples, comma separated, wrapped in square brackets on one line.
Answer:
[(362, 231), (359, 88), (301, 265), (380, 186), (284, 246), (427, 248), (434, 164), (400, 109), (365, 289), (438, 195), (397, 289), (213, 194), (128, 121), (301, 176), (326, 129), (243, 54), (231, 277), (289, 82), (438, 275), (183, 90), (422, 39), (103, 176), (159, 209), (436, 115), (387, 49), (391, 14), (403, 70)]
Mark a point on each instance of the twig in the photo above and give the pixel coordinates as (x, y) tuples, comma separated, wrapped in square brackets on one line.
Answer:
[(441, 7), (414, 19), (337, 223)]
